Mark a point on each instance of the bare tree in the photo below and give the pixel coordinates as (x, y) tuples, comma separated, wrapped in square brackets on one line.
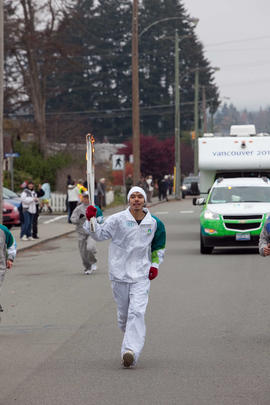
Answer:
[(32, 51)]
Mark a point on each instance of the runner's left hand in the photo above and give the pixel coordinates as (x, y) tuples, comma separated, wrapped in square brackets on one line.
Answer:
[(153, 272)]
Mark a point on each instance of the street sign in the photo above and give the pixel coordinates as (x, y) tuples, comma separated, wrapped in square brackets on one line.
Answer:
[(118, 162), (14, 155)]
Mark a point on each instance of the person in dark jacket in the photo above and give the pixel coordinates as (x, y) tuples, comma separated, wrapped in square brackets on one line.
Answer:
[(40, 193)]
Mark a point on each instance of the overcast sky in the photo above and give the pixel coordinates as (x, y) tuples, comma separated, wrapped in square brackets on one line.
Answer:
[(236, 38)]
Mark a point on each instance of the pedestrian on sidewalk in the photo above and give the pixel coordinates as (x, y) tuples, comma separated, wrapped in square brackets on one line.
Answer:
[(129, 183), (164, 188), (101, 193), (150, 188), (40, 192), (7, 254), (136, 250), (73, 198), (45, 200), (29, 200), (87, 246)]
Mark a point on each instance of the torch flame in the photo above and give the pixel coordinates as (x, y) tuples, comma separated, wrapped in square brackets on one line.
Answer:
[(90, 138)]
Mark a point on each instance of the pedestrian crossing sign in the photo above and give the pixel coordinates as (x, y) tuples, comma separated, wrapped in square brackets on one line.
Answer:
[(118, 162)]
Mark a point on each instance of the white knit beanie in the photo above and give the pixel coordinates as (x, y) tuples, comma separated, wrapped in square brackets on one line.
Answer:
[(136, 189)]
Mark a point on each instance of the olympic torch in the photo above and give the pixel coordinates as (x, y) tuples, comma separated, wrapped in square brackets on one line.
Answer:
[(90, 152)]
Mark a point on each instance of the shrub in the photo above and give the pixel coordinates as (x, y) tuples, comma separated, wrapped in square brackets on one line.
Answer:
[(32, 165)]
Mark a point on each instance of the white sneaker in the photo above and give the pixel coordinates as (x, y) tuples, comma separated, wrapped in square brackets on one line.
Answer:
[(94, 267), (24, 237), (30, 238), (88, 271), (128, 358)]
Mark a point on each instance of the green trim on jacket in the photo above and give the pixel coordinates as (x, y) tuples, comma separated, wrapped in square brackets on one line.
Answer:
[(159, 240), (99, 212), (9, 236)]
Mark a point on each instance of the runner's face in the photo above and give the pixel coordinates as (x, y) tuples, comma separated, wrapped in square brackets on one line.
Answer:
[(136, 201), (85, 200)]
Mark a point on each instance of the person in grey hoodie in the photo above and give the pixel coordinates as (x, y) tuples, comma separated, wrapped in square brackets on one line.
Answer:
[(87, 247), (7, 254)]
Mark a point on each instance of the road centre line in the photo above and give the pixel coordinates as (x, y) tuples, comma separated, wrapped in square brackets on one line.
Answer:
[(161, 212), (55, 219), (186, 212)]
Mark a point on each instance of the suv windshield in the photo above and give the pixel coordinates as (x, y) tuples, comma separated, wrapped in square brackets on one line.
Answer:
[(221, 195)]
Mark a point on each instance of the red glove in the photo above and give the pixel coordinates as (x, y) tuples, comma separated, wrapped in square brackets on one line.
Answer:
[(90, 212), (153, 272)]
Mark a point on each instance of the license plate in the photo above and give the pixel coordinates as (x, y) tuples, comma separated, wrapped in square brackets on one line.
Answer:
[(242, 236)]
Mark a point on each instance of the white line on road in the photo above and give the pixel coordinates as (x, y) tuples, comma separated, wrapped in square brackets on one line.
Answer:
[(186, 212), (55, 219), (161, 212)]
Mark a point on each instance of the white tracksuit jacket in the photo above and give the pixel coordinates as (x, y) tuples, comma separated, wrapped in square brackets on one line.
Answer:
[(134, 248)]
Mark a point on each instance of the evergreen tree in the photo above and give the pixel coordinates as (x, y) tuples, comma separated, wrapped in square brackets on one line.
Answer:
[(102, 82)]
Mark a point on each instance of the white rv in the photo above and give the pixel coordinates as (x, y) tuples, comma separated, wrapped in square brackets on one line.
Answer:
[(241, 154)]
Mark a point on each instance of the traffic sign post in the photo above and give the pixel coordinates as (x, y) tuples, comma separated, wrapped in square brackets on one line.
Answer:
[(118, 163), (10, 156)]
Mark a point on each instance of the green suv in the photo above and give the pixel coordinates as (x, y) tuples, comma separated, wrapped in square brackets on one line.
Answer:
[(234, 212)]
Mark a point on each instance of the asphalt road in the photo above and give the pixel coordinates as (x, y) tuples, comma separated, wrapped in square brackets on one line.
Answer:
[(208, 327)]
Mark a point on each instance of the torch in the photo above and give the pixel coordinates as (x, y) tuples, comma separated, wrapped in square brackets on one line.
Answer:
[(90, 152)]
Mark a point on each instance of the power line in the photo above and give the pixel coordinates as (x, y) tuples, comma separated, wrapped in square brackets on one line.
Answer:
[(258, 63), (248, 82), (109, 113), (239, 41), (242, 49)]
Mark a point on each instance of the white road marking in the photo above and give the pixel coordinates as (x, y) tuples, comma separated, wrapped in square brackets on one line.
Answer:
[(55, 219), (161, 212), (186, 212)]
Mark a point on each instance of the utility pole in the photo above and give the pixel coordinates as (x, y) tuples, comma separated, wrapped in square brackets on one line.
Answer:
[(196, 123), (212, 122), (135, 96), (177, 120), (1, 105), (204, 110)]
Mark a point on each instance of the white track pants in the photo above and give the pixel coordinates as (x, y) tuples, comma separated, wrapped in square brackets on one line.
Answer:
[(131, 300)]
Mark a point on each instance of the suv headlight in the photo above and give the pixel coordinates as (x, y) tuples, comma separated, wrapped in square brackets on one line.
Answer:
[(210, 215), (184, 187)]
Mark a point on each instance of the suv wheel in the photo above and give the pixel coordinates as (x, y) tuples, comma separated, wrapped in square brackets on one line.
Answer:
[(205, 249)]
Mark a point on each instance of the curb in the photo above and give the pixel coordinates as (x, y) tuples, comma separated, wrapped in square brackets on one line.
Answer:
[(21, 249)]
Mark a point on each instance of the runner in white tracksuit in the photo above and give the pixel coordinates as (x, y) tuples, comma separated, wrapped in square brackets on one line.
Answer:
[(136, 250)]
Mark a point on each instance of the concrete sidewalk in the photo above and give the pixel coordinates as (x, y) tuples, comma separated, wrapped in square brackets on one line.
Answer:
[(54, 228)]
